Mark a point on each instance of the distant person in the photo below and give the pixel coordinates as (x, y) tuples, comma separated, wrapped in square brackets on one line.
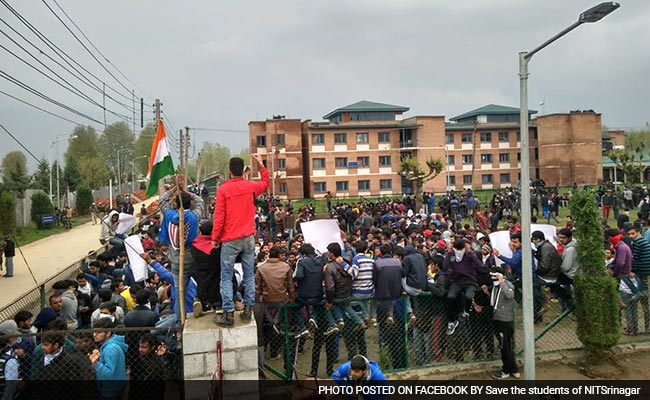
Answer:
[(10, 252), (233, 230)]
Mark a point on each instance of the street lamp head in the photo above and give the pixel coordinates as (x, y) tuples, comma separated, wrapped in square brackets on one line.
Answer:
[(73, 137), (598, 12)]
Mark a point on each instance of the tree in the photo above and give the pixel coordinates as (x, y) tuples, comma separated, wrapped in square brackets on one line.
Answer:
[(142, 149), (116, 137), (7, 213), (215, 158), (630, 163), (14, 172), (71, 174), (41, 204), (94, 172), (84, 199), (596, 295), (85, 144), (410, 169), (41, 178)]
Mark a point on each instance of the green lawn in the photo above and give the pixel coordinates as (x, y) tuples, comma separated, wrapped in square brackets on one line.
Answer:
[(31, 233)]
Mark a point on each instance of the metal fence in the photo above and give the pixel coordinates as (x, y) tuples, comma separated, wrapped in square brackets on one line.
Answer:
[(398, 345), (150, 364)]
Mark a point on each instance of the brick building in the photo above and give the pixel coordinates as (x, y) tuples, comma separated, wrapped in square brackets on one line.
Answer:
[(358, 149)]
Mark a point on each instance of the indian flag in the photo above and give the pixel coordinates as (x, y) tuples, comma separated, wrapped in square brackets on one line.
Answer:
[(160, 162)]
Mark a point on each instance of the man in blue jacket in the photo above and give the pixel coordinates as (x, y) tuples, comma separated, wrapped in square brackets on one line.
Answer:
[(359, 371), (109, 362)]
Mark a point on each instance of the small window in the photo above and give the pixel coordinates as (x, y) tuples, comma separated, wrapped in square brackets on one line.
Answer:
[(340, 138), (452, 181), (449, 138), (317, 138), (385, 184), (282, 164), (364, 185), (519, 157), (486, 179), (384, 137), (451, 160), (341, 162), (468, 159), (342, 186), (486, 137), (504, 157), (519, 136), (467, 179), (504, 178), (466, 138), (279, 138), (536, 153), (486, 158), (504, 137), (320, 187), (261, 141), (364, 162), (319, 163), (384, 161), (362, 137), (282, 188)]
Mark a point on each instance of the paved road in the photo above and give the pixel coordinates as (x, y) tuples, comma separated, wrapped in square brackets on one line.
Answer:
[(48, 256)]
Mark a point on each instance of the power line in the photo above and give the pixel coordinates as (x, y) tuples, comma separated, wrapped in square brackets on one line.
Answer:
[(74, 89), (57, 50), (41, 109), (83, 79), (99, 51), (220, 130), (20, 143)]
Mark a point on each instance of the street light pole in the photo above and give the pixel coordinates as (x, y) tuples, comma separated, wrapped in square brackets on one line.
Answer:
[(594, 14), (57, 166), (119, 171), (133, 165)]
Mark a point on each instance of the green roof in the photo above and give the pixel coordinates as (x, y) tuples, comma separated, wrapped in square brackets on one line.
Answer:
[(367, 106), (491, 109)]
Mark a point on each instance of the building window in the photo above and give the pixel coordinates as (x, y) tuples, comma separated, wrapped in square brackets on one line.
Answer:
[(486, 158), (504, 178), (320, 187), (318, 138), (384, 137), (504, 157), (261, 141), (265, 164), (342, 186), (486, 137), (385, 184), (504, 137), (466, 138), (283, 188), (384, 161), (518, 157), (282, 164), (364, 185), (519, 136), (364, 162), (319, 163), (452, 181), (451, 160), (486, 179), (341, 162), (340, 138), (468, 159), (279, 138), (362, 137), (536, 152), (449, 138), (467, 179)]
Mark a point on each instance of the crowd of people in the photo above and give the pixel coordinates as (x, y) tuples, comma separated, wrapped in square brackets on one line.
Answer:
[(429, 277)]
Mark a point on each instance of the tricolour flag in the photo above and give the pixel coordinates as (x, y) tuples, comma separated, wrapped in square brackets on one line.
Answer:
[(160, 162)]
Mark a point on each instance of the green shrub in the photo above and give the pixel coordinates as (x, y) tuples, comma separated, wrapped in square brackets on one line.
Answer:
[(84, 199), (41, 204), (596, 294), (7, 213)]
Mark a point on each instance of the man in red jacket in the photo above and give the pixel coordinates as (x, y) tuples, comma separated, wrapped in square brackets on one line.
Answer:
[(234, 229)]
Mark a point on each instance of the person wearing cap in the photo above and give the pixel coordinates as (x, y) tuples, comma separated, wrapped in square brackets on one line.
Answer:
[(360, 371), (9, 365), (549, 264)]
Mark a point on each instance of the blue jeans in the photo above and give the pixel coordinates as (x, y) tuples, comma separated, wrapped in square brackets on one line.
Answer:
[(342, 306), (9, 264), (188, 270), (367, 304), (229, 252)]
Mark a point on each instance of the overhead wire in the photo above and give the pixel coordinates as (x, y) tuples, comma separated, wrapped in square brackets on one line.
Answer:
[(20, 143), (40, 108)]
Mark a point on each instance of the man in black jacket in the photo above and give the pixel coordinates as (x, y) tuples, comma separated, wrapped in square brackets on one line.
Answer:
[(414, 277), (387, 279), (549, 263), (10, 252), (140, 316), (338, 288)]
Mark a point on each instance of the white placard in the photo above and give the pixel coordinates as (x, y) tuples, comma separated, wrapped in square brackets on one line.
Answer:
[(126, 222), (138, 265), (500, 240), (321, 232)]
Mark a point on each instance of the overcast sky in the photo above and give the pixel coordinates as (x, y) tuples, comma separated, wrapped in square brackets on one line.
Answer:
[(221, 64)]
